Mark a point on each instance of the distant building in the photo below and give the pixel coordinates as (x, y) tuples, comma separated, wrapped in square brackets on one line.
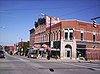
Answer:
[(21, 44), (32, 36), (1, 47), (11, 50), (73, 38)]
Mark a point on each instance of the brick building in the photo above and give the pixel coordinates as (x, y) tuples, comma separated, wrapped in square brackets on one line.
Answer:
[(73, 38), (21, 44)]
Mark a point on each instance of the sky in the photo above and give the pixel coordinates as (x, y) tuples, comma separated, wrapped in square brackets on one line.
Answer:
[(17, 17)]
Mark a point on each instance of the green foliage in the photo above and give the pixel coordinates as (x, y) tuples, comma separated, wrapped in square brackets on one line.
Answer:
[(26, 46), (0, 46), (6, 48)]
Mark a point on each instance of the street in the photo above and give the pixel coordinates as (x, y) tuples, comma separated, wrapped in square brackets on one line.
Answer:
[(23, 65)]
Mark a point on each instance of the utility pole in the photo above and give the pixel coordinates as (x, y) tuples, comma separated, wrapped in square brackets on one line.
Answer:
[(21, 47), (50, 34), (49, 52), (49, 29)]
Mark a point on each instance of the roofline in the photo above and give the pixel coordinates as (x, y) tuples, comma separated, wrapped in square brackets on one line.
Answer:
[(78, 21)]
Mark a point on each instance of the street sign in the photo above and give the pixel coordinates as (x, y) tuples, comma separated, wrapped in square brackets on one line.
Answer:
[(51, 43)]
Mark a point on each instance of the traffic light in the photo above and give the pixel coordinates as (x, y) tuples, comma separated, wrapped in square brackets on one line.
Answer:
[(94, 23)]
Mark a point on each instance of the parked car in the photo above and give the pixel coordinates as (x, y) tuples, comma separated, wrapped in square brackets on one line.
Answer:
[(2, 54), (32, 53)]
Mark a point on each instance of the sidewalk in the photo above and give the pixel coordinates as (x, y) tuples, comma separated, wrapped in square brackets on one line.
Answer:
[(55, 60), (90, 61), (67, 60)]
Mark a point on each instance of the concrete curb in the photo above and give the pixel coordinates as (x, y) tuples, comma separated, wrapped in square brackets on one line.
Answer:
[(68, 60)]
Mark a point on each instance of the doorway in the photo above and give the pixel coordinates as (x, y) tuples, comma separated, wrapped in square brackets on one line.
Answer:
[(68, 51)]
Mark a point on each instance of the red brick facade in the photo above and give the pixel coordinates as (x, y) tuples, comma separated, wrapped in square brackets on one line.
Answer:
[(21, 44), (81, 37)]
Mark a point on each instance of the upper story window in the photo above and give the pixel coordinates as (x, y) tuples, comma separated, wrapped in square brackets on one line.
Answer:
[(71, 35), (51, 36), (94, 36), (56, 35), (59, 35), (68, 34), (82, 35)]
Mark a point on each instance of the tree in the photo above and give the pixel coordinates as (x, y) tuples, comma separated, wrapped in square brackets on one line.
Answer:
[(25, 47), (0, 47), (6, 48)]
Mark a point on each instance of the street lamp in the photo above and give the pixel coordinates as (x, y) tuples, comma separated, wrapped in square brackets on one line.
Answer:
[(21, 47), (56, 52), (49, 34)]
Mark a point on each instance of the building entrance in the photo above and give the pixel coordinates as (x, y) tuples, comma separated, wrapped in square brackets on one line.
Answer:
[(68, 51)]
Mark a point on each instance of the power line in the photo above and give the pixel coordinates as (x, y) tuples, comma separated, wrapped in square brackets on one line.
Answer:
[(76, 11), (95, 18), (48, 8)]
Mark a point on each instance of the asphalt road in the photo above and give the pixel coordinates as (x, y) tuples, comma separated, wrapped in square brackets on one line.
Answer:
[(24, 65)]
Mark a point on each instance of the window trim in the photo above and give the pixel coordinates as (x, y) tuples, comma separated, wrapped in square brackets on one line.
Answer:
[(68, 30), (82, 36), (94, 36)]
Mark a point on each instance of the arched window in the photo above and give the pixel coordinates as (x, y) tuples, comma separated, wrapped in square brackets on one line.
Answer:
[(53, 36), (56, 35), (68, 46), (48, 36), (59, 35), (68, 51)]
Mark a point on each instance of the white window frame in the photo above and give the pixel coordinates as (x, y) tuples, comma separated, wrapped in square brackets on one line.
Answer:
[(68, 31), (82, 31), (94, 33)]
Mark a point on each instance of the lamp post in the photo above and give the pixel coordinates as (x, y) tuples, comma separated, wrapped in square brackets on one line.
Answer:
[(48, 57), (21, 47), (56, 52), (49, 29), (50, 34)]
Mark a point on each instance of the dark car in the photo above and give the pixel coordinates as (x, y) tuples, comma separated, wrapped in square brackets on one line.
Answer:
[(2, 54)]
